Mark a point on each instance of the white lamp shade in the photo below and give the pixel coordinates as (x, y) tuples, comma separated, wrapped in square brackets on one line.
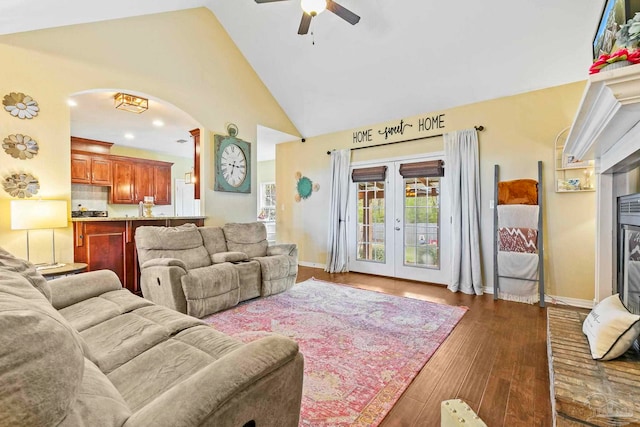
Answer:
[(313, 7), (35, 214)]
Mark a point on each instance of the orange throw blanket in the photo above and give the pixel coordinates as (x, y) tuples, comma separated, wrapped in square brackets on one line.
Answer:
[(518, 192)]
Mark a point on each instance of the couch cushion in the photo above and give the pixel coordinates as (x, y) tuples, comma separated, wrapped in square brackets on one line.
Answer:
[(153, 372), (183, 242), (171, 320), (41, 359), (120, 339), (213, 238), (26, 270), (90, 312), (250, 238), (211, 289), (98, 402)]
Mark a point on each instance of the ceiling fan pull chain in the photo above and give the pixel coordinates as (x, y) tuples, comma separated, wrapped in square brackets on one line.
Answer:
[(313, 39)]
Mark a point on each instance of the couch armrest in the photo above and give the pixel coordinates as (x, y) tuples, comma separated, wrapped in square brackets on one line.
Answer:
[(290, 249), (221, 257), (161, 283), (259, 381), (164, 262), (79, 287)]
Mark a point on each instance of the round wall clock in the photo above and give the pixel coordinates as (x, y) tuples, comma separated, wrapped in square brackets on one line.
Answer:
[(232, 164)]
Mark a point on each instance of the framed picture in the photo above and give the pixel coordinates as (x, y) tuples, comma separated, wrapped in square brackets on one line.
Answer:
[(614, 14)]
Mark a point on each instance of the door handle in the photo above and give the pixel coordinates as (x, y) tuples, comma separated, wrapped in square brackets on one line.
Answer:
[(397, 228)]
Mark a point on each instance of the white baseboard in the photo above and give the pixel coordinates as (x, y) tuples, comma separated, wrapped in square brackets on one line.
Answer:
[(311, 264), (553, 299)]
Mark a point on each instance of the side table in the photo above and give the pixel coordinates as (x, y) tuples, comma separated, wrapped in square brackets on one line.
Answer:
[(70, 268)]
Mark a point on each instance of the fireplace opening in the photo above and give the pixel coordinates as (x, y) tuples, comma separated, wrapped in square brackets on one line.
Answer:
[(628, 284)]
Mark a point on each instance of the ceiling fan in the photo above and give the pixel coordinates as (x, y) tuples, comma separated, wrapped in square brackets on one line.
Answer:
[(312, 8)]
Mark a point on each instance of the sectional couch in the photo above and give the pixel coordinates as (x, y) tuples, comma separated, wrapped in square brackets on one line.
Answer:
[(202, 270), (83, 351)]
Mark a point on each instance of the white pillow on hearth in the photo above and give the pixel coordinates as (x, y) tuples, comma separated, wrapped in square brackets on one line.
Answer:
[(610, 328)]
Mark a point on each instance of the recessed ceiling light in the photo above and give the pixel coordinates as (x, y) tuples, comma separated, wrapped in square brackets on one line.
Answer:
[(72, 103), (129, 135), (158, 123)]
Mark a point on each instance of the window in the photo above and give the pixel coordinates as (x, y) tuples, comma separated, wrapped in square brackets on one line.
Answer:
[(267, 209), (267, 202)]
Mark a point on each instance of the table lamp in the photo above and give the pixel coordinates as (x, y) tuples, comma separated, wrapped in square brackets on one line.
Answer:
[(39, 214)]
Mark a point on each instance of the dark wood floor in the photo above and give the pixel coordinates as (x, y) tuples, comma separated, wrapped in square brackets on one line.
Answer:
[(495, 359)]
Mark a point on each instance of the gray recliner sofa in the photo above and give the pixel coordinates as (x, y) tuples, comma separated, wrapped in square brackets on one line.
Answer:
[(202, 270), (83, 351)]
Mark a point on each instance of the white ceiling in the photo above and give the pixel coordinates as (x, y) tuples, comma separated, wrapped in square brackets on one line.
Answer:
[(403, 58)]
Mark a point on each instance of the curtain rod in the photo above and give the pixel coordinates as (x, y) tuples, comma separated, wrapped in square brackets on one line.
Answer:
[(478, 128)]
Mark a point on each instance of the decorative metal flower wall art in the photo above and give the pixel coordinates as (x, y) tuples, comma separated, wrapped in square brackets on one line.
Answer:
[(20, 146), (21, 185), (20, 105), (304, 187)]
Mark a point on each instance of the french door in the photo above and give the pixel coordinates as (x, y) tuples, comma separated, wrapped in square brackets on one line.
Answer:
[(399, 221)]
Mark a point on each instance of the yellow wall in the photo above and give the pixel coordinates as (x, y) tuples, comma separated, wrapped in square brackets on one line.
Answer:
[(519, 130), (185, 58)]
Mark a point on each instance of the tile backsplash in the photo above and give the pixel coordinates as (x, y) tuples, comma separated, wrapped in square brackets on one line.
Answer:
[(92, 197), (96, 198)]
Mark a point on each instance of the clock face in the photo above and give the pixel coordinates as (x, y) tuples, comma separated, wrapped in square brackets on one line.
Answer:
[(234, 165)]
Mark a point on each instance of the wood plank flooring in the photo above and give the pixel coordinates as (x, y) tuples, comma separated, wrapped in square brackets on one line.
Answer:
[(495, 359)]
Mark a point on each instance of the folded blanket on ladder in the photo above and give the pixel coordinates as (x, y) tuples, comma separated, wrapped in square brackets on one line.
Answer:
[(518, 253)]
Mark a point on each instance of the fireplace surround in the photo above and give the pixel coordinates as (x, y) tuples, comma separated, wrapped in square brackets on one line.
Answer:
[(628, 251)]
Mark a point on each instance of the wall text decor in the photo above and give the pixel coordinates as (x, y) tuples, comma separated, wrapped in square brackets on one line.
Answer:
[(424, 124)]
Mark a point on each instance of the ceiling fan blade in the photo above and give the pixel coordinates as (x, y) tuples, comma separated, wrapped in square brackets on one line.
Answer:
[(267, 1), (342, 12), (304, 24)]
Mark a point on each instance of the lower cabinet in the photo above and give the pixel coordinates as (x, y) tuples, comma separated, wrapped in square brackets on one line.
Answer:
[(110, 245)]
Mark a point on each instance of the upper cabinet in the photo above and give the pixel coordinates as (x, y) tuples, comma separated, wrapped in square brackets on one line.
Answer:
[(162, 184), (90, 169), (123, 188), (135, 178), (130, 178)]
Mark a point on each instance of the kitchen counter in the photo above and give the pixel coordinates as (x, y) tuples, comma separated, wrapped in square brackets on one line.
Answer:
[(135, 218)]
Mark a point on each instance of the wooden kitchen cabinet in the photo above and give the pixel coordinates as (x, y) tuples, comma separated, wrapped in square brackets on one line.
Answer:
[(135, 178), (162, 184), (123, 187), (102, 245), (90, 169)]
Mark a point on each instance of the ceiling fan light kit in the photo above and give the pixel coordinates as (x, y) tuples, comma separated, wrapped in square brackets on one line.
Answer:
[(312, 8)]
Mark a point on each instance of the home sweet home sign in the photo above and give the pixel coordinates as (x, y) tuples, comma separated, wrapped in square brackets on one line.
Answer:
[(422, 125)]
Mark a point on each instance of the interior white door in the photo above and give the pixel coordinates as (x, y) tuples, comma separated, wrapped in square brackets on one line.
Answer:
[(185, 199), (399, 227)]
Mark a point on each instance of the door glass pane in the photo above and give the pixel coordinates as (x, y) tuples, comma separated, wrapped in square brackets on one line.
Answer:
[(371, 222), (422, 222)]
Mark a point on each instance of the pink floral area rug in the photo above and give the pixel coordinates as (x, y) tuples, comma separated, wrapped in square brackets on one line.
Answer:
[(361, 348)]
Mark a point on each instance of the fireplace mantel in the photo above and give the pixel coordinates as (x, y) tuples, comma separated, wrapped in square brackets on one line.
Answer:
[(607, 129), (607, 119)]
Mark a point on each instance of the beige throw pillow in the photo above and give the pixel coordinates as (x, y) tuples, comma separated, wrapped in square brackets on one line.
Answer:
[(610, 328)]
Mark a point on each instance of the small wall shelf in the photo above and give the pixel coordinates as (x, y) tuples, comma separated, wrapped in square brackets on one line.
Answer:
[(571, 176)]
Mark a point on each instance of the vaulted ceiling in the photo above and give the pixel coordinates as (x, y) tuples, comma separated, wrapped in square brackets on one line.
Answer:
[(403, 58)]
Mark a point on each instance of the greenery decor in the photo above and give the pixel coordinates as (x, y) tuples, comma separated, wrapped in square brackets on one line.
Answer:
[(632, 57), (629, 34)]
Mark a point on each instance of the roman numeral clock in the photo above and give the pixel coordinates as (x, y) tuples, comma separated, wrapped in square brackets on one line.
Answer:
[(232, 164)]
